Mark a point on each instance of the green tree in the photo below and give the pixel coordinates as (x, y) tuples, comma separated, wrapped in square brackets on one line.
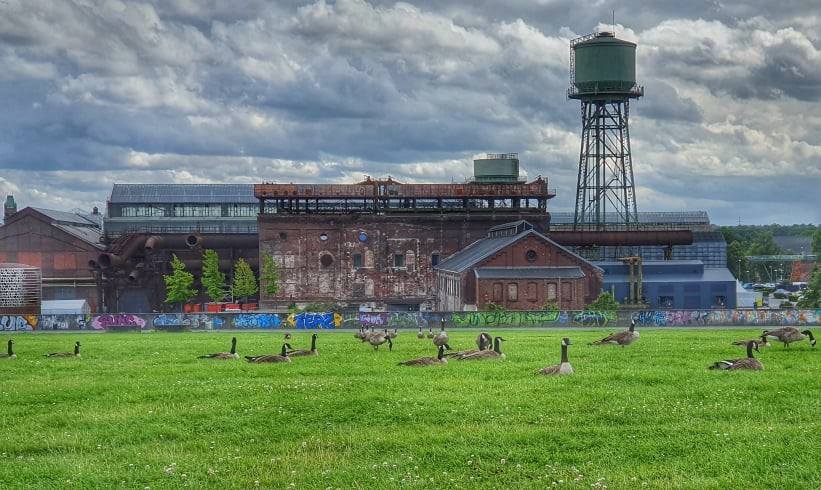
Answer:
[(245, 284), (269, 275), (736, 260), (812, 295), (604, 302), (763, 244), (212, 279), (816, 242), (550, 306), (179, 284)]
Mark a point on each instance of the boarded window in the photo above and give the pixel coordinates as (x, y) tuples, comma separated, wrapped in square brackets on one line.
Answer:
[(512, 291)]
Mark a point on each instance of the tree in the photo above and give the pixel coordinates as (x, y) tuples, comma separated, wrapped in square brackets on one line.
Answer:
[(269, 275), (245, 284), (212, 279), (179, 284), (604, 302), (816, 242), (736, 260), (812, 295), (763, 244)]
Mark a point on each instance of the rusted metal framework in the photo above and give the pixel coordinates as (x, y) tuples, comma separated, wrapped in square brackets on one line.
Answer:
[(389, 196)]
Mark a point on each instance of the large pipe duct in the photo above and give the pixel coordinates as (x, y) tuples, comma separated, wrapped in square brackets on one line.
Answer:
[(622, 238), (107, 260), (193, 240)]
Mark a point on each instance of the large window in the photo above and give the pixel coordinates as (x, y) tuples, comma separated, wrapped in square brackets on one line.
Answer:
[(399, 260), (357, 261)]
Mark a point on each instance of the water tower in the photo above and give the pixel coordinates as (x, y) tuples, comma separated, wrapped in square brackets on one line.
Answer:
[(603, 78)]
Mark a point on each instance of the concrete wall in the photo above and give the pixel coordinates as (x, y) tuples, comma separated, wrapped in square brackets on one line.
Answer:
[(409, 320)]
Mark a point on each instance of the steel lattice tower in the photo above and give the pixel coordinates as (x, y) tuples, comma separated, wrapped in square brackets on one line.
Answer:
[(602, 75)]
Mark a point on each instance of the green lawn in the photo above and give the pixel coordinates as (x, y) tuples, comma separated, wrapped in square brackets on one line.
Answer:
[(141, 411)]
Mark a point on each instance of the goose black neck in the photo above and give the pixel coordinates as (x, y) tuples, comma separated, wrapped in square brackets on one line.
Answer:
[(76, 348), (313, 342), (10, 349), (234, 345), (497, 342), (441, 352), (564, 352), (750, 349), (284, 350)]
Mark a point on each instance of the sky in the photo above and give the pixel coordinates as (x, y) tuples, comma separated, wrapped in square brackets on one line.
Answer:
[(98, 92)]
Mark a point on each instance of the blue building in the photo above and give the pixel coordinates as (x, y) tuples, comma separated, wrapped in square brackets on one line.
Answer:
[(676, 284)]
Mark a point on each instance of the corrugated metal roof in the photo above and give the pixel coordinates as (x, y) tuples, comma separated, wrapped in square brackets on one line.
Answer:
[(66, 217), (183, 193), (480, 249), (563, 272), (85, 233)]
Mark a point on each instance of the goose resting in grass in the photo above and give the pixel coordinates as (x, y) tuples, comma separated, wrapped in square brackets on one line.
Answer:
[(762, 341), (788, 335), (564, 367), (223, 355), (305, 352), (496, 353), (482, 341), (281, 357), (76, 352), (625, 337), (10, 353), (428, 361), (748, 362)]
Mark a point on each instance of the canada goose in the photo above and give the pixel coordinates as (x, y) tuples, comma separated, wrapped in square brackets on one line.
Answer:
[(421, 334), (762, 341), (748, 362), (564, 367), (378, 338), (223, 355), (496, 353), (76, 352), (281, 357), (305, 352), (441, 338), (428, 361), (625, 337), (287, 336), (393, 334), (430, 332), (11, 352), (483, 343), (788, 335)]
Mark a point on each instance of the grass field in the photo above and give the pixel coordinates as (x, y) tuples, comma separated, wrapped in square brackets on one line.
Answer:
[(141, 411)]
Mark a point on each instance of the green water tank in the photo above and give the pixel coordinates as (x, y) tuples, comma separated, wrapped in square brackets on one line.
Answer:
[(603, 64)]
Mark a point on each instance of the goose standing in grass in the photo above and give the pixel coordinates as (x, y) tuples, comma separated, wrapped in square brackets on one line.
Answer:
[(762, 342), (305, 352), (421, 334), (748, 362), (223, 355), (430, 332), (76, 352), (564, 367), (625, 337), (483, 342), (281, 357), (378, 338), (441, 337), (392, 335), (428, 361), (496, 353), (10, 353), (788, 335)]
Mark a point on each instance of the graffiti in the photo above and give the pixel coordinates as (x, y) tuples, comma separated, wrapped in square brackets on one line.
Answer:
[(481, 319), (314, 320), (594, 318), (111, 322), (256, 320), (390, 320), (18, 322)]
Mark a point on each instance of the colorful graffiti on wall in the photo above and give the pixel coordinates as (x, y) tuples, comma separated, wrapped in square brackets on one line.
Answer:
[(410, 320)]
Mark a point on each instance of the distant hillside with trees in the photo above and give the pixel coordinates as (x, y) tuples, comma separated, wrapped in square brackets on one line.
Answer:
[(751, 240)]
